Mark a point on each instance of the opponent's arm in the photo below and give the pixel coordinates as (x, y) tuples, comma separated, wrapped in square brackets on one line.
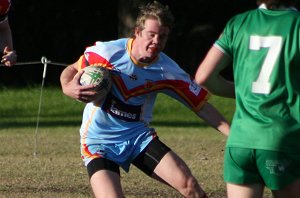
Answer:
[(71, 87), (208, 73), (214, 118), (9, 57)]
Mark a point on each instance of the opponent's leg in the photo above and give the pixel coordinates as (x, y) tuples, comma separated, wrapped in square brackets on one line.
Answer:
[(291, 191), (245, 191)]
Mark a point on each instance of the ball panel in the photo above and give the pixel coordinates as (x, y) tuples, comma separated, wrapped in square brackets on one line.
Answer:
[(99, 76)]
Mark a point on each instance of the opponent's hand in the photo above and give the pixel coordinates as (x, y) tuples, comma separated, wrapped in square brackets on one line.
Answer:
[(9, 57), (81, 93)]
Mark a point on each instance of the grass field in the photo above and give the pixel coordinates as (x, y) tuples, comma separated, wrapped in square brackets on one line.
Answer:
[(45, 161)]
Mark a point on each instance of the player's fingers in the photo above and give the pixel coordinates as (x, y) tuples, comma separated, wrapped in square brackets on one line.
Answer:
[(6, 62), (88, 93), (84, 100), (78, 75), (87, 88), (9, 59), (87, 98), (6, 50)]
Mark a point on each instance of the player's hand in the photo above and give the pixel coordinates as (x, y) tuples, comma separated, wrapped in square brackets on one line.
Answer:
[(81, 93), (9, 57)]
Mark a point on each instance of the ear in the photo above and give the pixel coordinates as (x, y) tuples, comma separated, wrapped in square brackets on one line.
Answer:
[(137, 31)]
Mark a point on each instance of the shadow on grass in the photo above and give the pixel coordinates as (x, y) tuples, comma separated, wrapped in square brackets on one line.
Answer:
[(75, 123), (32, 124)]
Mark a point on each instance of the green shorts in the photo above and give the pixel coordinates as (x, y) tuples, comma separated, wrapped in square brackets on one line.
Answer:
[(273, 169)]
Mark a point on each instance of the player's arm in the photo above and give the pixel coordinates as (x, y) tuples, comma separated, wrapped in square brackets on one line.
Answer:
[(71, 87), (195, 98), (208, 73), (214, 118), (9, 57), (5, 35)]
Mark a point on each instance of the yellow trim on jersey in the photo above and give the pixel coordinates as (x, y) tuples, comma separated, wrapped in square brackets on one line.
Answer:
[(136, 62)]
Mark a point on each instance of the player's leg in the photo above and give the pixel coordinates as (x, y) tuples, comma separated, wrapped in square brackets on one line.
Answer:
[(291, 191), (173, 170), (159, 162), (245, 191), (105, 178)]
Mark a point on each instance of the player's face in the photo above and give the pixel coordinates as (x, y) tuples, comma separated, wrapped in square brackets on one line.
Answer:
[(151, 40)]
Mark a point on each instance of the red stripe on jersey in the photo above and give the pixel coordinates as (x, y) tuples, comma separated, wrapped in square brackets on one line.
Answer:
[(93, 59), (181, 88)]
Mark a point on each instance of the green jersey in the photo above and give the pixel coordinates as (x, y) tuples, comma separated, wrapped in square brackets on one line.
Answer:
[(265, 48)]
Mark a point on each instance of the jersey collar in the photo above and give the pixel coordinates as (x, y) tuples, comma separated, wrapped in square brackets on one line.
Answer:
[(136, 62)]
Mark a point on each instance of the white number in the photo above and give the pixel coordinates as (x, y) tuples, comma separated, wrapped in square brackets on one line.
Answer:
[(262, 84)]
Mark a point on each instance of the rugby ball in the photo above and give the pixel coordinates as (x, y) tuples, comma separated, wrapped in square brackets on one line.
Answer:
[(99, 76)]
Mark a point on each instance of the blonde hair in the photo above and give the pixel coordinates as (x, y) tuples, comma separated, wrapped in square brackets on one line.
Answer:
[(157, 11), (276, 3)]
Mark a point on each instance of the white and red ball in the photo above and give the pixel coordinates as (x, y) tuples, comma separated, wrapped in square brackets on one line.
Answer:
[(99, 76)]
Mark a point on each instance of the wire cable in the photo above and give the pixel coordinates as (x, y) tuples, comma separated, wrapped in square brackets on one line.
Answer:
[(45, 62), (37, 62)]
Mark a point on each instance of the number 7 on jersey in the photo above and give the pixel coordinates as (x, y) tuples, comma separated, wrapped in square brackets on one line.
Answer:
[(262, 84)]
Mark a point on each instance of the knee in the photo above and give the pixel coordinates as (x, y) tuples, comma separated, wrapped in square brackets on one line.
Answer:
[(191, 188)]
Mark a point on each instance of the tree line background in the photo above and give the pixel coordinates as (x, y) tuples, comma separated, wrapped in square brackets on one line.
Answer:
[(61, 30)]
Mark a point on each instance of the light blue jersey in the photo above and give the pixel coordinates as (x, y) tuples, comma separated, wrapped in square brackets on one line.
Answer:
[(119, 129)]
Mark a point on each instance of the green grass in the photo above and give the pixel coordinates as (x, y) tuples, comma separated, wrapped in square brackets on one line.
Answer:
[(57, 170)]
